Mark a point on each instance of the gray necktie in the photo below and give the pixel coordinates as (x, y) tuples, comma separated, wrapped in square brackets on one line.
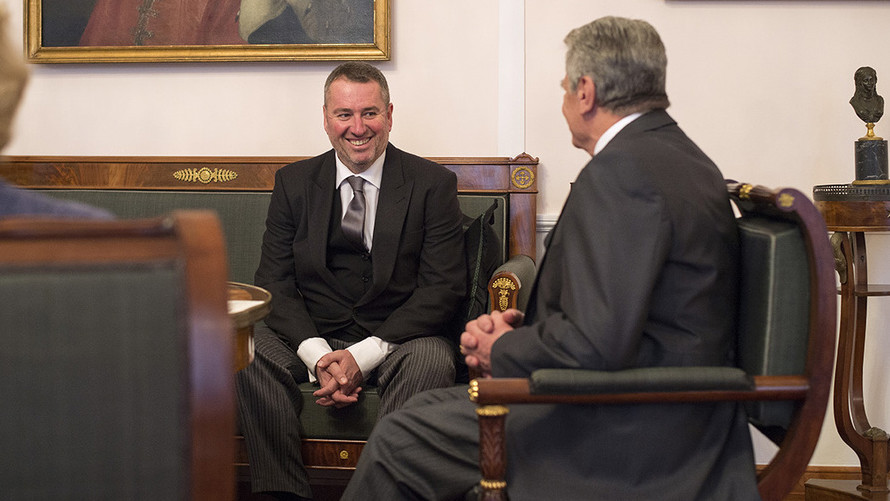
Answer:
[(353, 223)]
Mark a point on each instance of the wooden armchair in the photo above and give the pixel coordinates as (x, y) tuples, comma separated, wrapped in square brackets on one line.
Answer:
[(786, 349), (116, 368)]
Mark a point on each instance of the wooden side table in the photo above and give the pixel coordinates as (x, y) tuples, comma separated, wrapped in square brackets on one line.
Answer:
[(248, 304), (851, 211)]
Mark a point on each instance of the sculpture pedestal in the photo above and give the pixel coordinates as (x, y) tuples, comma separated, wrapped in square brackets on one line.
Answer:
[(871, 161)]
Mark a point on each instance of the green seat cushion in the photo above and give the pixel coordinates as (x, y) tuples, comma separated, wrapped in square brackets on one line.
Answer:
[(349, 423)]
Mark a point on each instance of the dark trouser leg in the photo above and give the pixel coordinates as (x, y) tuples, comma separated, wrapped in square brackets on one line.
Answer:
[(428, 450), (416, 365), (269, 404)]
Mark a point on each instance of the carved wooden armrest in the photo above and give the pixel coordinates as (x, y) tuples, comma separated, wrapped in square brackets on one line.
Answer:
[(505, 289)]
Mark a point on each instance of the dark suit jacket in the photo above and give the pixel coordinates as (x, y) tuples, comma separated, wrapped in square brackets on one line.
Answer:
[(640, 270), (419, 270)]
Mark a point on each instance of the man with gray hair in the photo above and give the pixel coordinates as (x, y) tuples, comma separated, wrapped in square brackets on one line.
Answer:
[(640, 271)]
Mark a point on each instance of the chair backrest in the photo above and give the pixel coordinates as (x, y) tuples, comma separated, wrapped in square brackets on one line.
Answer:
[(773, 310), (787, 318), (116, 369)]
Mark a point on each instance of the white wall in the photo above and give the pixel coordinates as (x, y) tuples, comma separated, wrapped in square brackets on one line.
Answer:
[(762, 86)]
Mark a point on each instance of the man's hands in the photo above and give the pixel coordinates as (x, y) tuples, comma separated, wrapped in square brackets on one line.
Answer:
[(339, 377), (480, 335)]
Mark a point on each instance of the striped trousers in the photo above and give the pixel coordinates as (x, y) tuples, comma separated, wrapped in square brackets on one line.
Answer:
[(269, 400)]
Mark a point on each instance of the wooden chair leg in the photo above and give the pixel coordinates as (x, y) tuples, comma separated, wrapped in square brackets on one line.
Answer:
[(493, 451)]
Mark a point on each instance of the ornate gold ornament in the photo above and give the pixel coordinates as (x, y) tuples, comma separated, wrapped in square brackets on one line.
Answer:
[(473, 390), (504, 286), (493, 484), (522, 177), (786, 200), (492, 410), (205, 176)]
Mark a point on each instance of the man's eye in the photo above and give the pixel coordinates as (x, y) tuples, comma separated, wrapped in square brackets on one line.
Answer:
[(370, 114), (343, 116)]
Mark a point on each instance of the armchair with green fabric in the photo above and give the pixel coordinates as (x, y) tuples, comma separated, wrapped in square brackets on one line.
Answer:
[(785, 349), (117, 359)]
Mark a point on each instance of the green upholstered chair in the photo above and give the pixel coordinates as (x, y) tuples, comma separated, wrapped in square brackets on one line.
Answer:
[(116, 371), (786, 341)]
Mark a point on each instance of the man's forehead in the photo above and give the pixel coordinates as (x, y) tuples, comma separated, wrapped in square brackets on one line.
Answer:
[(337, 91)]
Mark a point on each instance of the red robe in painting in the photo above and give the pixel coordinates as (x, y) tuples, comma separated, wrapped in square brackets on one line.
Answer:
[(163, 22)]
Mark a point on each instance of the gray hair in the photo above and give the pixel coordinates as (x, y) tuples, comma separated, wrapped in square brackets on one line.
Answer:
[(356, 71), (626, 60)]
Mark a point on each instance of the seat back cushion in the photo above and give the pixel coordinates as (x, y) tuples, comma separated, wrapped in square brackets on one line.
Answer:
[(773, 309), (484, 254), (242, 215), (93, 378)]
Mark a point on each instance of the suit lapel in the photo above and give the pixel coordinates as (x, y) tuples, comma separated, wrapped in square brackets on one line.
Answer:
[(392, 208)]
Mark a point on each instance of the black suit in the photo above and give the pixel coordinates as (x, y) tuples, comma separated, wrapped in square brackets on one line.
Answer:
[(407, 294), (640, 270), (418, 264)]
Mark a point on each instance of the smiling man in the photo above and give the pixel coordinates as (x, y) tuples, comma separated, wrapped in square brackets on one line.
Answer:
[(363, 255)]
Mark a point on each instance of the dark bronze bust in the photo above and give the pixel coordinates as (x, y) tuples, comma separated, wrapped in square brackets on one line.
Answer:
[(866, 102)]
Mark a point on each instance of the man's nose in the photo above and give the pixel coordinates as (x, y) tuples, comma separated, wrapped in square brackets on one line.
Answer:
[(358, 125)]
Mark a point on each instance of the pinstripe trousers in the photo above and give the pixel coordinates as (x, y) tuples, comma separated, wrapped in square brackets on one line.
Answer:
[(269, 400)]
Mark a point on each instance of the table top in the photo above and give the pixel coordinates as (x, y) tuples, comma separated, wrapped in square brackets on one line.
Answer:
[(248, 304)]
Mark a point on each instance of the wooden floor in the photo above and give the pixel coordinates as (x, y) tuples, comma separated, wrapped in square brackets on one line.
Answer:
[(822, 472)]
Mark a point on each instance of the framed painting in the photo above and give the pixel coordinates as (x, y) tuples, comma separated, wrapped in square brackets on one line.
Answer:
[(119, 31)]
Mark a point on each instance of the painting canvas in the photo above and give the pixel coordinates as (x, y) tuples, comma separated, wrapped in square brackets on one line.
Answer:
[(90, 31)]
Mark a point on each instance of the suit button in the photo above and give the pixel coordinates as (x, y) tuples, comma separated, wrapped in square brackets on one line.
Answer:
[(366, 279)]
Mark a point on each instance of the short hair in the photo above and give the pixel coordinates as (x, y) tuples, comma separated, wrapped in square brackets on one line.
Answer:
[(626, 60), (356, 71)]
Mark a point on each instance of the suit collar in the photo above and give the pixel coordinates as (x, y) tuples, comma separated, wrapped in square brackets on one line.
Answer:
[(650, 120), (613, 131)]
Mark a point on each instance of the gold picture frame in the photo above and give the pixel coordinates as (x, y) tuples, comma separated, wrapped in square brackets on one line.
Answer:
[(78, 31)]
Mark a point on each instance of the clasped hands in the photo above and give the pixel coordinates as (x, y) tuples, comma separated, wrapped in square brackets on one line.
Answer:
[(480, 335), (339, 376)]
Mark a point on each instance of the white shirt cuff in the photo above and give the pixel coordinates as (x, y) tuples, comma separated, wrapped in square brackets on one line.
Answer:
[(310, 350), (370, 352)]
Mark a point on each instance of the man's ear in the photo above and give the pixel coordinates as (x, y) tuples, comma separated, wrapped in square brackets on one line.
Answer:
[(586, 93)]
